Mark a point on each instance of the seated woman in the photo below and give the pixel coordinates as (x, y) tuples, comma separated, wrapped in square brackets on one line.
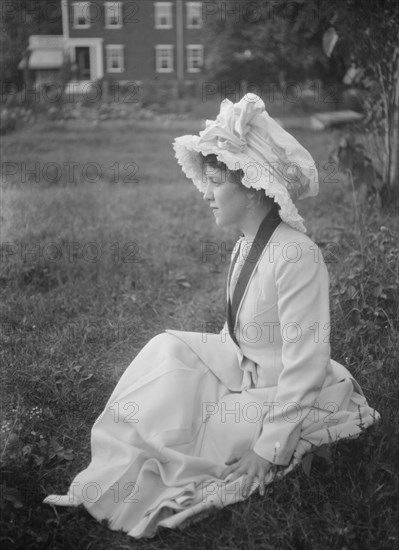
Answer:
[(199, 421)]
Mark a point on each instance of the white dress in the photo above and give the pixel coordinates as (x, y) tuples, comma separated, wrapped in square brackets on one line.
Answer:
[(170, 425)]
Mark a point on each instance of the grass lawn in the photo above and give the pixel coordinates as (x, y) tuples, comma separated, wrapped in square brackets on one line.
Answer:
[(102, 248)]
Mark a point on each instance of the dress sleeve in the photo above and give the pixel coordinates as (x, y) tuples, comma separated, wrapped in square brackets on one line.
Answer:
[(304, 322)]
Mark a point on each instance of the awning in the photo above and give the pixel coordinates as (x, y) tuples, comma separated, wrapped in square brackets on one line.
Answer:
[(43, 59)]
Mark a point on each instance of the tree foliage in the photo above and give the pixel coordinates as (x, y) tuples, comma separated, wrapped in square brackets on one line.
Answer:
[(283, 39), (369, 33), (18, 20)]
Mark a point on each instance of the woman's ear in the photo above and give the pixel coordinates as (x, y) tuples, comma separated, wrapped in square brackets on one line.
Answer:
[(252, 198), (257, 197)]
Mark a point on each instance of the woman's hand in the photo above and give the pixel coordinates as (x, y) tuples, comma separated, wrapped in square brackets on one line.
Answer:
[(253, 466)]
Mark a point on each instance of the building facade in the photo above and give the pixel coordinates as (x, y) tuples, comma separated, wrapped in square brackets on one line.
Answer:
[(125, 41)]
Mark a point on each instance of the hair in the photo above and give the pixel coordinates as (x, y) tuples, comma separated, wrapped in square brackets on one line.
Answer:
[(235, 176)]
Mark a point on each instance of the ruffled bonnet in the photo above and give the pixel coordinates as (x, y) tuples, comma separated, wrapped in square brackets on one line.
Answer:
[(244, 136)]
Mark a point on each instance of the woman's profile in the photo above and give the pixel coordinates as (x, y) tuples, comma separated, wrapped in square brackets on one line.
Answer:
[(199, 421)]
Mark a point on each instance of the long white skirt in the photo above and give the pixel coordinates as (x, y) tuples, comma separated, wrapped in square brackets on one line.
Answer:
[(160, 446)]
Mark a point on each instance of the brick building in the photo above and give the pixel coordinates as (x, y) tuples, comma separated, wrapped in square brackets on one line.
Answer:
[(123, 41)]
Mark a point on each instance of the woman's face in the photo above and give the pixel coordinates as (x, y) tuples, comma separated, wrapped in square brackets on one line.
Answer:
[(227, 199)]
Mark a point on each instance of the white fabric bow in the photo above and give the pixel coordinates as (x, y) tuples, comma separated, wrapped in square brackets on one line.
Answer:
[(232, 124)]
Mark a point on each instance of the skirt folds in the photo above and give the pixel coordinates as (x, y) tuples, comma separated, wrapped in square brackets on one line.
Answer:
[(160, 446)]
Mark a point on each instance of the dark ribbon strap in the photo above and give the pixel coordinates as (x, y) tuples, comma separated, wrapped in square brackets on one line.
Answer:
[(265, 231)]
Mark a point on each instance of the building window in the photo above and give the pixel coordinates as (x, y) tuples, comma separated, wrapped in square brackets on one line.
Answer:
[(195, 58), (194, 15), (115, 58), (163, 15), (164, 58), (81, 15), (113, 15)]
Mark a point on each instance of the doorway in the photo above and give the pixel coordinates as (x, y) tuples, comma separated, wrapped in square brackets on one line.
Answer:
[(83, 62)]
